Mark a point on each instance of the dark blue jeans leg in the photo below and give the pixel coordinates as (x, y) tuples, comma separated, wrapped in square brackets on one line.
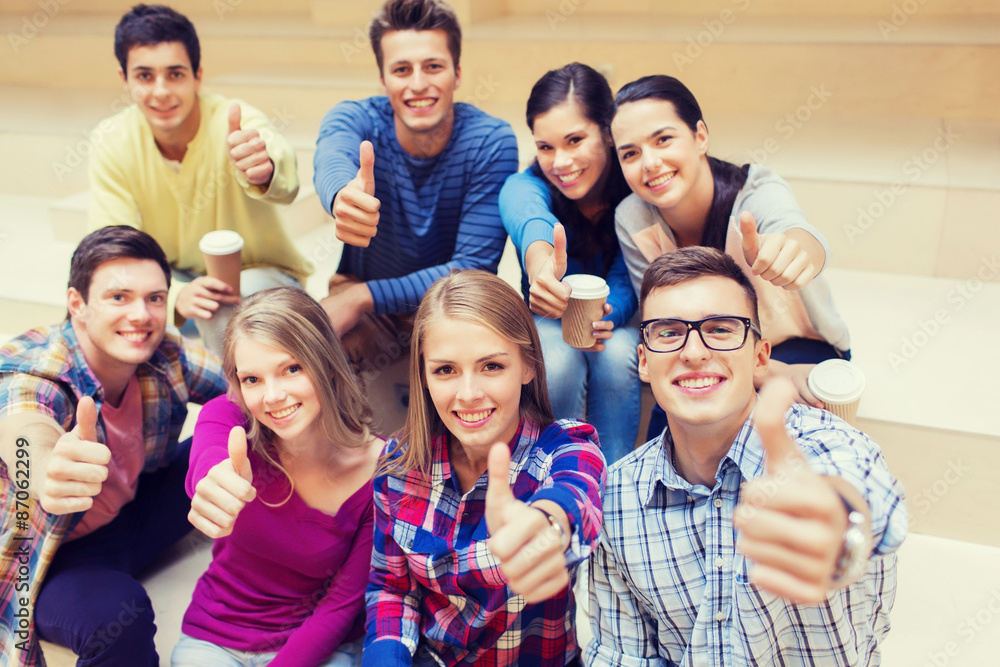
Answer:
[(91, 600)]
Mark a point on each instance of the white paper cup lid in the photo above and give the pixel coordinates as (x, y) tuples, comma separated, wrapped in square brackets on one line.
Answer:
[(221, 242), (837, 381), (587, 287)]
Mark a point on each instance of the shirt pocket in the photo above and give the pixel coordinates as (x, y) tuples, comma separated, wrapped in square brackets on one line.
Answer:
[(430, 558)]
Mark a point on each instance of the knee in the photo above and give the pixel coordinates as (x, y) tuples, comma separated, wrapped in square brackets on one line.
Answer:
[(122, 625)]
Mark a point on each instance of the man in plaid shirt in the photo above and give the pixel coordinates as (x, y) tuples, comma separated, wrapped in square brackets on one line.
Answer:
[(742, 535), (93, 481)]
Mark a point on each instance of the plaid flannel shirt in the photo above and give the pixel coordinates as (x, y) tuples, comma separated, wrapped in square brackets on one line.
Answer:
[(44, 371), (434, 580), (668, 587)]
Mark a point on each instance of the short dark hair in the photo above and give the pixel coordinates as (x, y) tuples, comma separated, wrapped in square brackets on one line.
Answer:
[(680, 266), (415, 15), (149, 25), (106, 244)]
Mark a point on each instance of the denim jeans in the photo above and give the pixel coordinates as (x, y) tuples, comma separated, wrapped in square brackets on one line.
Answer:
[(191, 652), (603, 386)]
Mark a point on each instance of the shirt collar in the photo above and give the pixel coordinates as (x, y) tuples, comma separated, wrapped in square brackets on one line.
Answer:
[(441, 473)]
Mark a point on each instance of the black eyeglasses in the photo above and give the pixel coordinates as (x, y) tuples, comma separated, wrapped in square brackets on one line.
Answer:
[(720, 333)]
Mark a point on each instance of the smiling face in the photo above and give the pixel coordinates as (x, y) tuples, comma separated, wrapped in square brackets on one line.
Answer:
[(277, 391), (160, 80), (572, 151), (663, 161), (474, 377), (123, 319), (703, 390), (420, 79)]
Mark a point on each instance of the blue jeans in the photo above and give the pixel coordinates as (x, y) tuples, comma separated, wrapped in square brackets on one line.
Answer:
[(792, 351), (90, 600), (603, 385), (191, 652), (252, 280)]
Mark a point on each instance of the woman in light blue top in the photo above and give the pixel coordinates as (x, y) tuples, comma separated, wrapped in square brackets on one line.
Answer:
[(559, 213)]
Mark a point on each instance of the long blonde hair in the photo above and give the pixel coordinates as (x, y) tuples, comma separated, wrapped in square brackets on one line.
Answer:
[(484, 299), (289, 319)]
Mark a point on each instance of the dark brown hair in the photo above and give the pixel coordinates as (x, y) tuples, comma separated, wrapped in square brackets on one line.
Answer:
[(415, 15), (109, 243)]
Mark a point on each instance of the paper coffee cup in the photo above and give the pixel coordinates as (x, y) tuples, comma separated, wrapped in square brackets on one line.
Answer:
[(586, 306), (839, 385), (223, 249)]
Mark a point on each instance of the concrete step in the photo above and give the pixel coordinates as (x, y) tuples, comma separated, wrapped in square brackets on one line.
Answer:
[(871, 9), (868, 72)]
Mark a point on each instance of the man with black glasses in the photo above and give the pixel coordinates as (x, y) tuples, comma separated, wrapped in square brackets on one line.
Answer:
[(741, 535)]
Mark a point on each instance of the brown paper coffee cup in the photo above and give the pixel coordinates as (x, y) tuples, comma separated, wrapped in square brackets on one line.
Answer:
[(223, 250), (839, 385), (586, 306)]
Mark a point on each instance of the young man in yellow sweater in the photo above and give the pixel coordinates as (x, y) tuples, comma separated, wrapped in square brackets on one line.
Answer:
[(178, 164)]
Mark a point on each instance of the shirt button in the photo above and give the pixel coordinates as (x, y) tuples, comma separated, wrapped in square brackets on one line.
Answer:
[(409, 545), (465, 515), (720, 617), (718, 502), (719, 562)]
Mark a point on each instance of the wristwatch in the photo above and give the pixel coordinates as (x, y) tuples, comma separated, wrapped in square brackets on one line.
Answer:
[(856, 547)]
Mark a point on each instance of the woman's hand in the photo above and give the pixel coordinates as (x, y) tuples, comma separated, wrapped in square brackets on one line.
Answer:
[(799, 376), (223, 493), (546, 266), (777, 258), (530, 550)]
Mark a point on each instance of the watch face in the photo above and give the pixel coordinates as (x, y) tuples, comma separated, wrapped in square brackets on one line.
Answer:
[(855, 551)]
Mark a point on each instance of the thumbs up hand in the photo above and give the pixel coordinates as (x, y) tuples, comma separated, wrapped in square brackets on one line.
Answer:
[(776, 258), (791, 520), (531, 552), (548, 296), (248, 151), (355, 208), (223, 493), (72, 474)]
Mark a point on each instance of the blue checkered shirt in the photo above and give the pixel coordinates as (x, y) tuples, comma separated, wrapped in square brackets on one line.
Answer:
[(668, 586)]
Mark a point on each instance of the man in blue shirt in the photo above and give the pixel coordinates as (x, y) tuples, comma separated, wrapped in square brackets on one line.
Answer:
[(747, 533), (411, 179)]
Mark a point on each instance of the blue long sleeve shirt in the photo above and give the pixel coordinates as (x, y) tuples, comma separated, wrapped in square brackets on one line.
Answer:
[(526, 211), (436, 214)]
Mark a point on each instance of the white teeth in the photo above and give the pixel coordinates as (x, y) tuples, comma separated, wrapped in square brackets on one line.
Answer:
[(420, 104), (473, 416), (567, 178), (134, 336), (698, 383), (280, 414), (661, 180)]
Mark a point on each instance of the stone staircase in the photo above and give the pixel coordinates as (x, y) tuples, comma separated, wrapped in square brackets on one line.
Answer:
[(883, 115)]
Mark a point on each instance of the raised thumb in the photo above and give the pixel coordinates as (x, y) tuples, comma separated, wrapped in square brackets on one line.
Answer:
[(238, 453), (751, 240), (775, 398), (234, 117), (86, 419), (559, 253), (367, 171), (498, 492)]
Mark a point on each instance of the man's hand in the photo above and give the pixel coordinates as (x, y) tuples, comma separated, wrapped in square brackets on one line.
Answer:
[(775, 257), (223, 493), (530, 551), (202, 296), (547, 296), (345, 308), (355, 208), (791, 521), (77, 467), (248, 151)]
